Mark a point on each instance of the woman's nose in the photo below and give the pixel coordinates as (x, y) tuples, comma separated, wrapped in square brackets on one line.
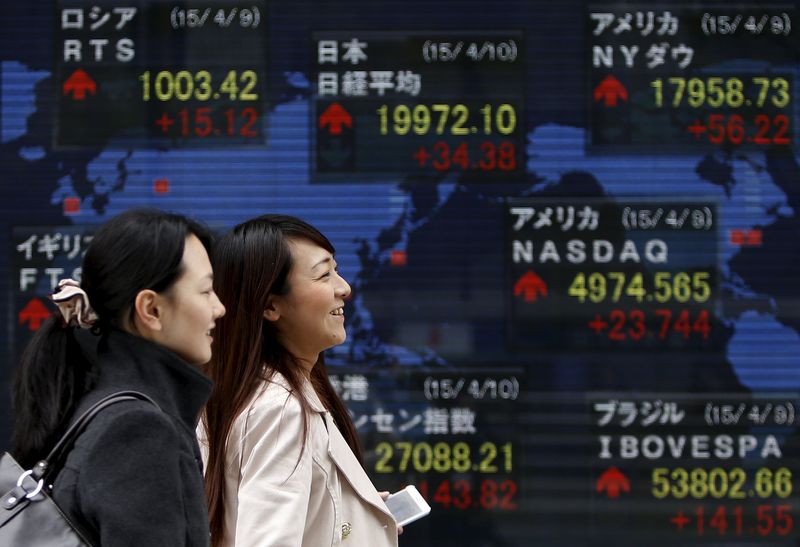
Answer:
[(343, 289), (219, 307)]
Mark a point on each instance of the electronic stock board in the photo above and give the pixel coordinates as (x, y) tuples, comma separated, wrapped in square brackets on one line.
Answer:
[(571, 231)]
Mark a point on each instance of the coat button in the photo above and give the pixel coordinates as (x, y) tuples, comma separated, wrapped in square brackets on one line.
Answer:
[(346, 529)]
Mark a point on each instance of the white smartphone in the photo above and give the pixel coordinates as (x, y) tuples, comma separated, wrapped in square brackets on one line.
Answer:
[(407, 505)]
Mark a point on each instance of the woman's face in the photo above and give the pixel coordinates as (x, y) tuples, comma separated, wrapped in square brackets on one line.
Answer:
[(310, 317), (190, 307)]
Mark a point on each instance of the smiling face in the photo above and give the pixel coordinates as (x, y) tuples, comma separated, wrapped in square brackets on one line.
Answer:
[(310, 316), (189, 308)]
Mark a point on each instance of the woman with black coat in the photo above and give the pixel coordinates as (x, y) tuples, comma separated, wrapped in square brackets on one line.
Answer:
[(140, 319)]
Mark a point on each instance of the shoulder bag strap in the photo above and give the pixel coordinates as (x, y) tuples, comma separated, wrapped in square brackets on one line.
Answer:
[(46, 467)]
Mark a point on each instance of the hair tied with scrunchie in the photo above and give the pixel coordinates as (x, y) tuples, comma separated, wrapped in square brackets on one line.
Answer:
[(73, 303)]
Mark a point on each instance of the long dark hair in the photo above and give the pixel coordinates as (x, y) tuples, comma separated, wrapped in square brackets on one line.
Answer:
[(136, 250), (252, 263)]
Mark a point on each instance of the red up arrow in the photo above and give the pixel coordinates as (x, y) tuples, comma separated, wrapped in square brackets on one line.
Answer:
[(612, 481), (33, 313), (530, 286), (609, 90), (78, 84), (335, 117)]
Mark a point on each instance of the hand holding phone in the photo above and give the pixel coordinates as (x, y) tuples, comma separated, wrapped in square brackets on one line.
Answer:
[(407, 505)]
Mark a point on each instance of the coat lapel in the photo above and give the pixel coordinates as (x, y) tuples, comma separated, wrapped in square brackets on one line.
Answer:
[(351, 470)]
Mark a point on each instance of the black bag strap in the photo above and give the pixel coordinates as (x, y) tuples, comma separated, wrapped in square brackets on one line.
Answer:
[(44, 468)]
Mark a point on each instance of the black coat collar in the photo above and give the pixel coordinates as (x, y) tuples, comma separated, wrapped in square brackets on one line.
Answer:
[(127, 362)]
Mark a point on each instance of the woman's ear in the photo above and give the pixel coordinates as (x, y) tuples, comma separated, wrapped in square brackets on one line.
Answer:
[(271, 311), (147, 312)]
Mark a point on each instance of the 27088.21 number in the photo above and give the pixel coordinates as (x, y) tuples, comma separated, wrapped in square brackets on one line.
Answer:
[(443, 457)]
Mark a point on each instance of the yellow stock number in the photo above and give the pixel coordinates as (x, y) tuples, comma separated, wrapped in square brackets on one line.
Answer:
[(719, 92), (185, 85), (718, 483), (680, 287), (442, 457), (442, 119)]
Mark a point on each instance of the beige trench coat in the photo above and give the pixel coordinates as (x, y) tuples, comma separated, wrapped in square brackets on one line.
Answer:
[(276, 496)]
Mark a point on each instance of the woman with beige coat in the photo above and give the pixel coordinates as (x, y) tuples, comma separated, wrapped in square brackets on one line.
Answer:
[(282, 457)]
